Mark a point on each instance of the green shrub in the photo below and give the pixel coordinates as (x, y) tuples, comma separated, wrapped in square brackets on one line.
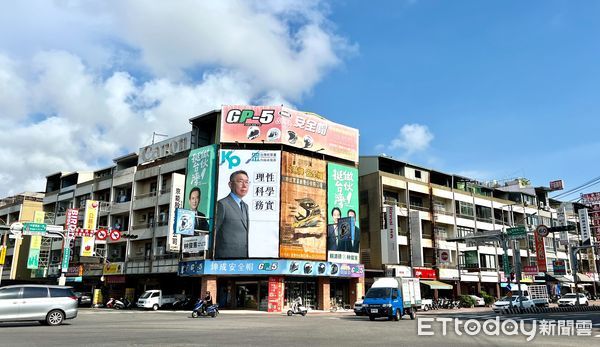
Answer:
[(467, 301), (487, 298)]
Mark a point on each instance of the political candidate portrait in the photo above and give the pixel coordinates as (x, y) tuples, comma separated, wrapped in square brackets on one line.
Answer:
[(194, 200), (232, 222)]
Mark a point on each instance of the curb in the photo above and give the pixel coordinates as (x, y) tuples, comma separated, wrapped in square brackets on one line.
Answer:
[(530, 310)]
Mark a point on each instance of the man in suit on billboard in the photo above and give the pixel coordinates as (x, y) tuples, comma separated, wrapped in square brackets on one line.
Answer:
[(194, 199), (232, 221)]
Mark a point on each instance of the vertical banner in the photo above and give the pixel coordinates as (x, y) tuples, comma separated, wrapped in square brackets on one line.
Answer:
[(185, 221), (342, 202), (177, 191), (303, 199), (562, 221), (38, 216), (260, 193), (540, 252), (416, 235), (89, 222), (34, 252), (275, 294), (584, 223), (389, 237), (200, 186), (70, 227)]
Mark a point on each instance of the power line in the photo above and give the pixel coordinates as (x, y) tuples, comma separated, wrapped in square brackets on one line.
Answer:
[(579, 188)]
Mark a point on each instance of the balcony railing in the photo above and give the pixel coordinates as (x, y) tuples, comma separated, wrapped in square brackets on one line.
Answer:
[(145, 195), (420, 208)]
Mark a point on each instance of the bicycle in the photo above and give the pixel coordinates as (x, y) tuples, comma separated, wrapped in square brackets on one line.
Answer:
[(338, 305)]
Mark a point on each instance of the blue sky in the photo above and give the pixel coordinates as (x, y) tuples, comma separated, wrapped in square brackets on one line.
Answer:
[(486, 89)]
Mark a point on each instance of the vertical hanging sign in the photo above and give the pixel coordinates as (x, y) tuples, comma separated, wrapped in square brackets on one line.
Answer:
[(34, 252), (177, 193), (89, 222), (70, 226), (584, 223)]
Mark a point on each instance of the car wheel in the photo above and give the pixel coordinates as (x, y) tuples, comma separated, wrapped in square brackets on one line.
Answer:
[(290, 313), (413, 314), (397, 315), (55, 317), (303, 313), (155, 307)]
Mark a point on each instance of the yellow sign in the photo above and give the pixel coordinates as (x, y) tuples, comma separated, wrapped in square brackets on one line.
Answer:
[(2, 254), (91, 214), (38, 216), (97, 297), (113, 269)]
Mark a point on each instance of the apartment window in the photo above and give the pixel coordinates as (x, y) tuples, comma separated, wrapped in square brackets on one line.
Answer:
[(416, 201), (488, 261), (417, 173), (484, 212), (464, 231), (390, 196), (464, 209)]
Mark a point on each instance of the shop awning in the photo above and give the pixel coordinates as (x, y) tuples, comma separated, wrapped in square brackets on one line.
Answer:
[(437, 284), (564, 279), (584, 278)]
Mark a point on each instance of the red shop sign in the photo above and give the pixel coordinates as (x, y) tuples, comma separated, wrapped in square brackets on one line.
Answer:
[(424, 273)]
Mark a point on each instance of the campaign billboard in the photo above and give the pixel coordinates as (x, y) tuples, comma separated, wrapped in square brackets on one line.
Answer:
[(177, 191), (303, 206), (89, 222), (247, 216), (200, 186), (342, 202), (281, 125)]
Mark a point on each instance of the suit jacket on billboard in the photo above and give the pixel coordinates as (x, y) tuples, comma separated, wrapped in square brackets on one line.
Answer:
[(231, 228)]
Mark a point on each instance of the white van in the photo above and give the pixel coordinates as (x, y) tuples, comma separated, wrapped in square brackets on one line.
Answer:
[(155, 299)]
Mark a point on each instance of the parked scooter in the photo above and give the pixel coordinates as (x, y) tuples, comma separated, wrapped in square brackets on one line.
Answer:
[(199, 310), (122, 303), (297, 308), (110, 303)]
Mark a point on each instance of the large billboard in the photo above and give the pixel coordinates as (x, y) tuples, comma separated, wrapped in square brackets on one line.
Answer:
[(342, 203), (278, 124), (303, 207), (247, 217), (200, 186)]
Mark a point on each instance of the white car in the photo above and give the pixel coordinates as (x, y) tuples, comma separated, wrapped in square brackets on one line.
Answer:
[(478, 301), (358, 308), (512, 302), (571, 300)]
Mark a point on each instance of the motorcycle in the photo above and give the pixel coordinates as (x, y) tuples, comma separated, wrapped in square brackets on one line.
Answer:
[(297, 308), (110, 303), (199, 310), (122, 303)]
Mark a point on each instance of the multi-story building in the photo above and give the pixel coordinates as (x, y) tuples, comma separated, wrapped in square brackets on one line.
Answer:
[(410, 213), (18, 208), (300, 169)]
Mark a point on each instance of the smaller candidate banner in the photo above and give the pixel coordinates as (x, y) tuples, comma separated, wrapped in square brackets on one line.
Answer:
[(177, 190), (185, 221), (195, 244)]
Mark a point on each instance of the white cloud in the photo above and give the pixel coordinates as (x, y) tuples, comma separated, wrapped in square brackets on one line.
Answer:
[(412, 138), (90, 81)]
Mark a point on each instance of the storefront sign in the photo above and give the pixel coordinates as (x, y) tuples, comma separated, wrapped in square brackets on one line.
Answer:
[(540, 252), (389, 237), (270, 267), (561, 215), (195, 244), (165, 148), (444, 256), (343, 257), (276, 290), (424, 273), (416, 236), (584, 223), (113, 268), (471, 259), (559, 266), (114, 279), (281, 125), (74, 271), (34, 252), (530, 269)]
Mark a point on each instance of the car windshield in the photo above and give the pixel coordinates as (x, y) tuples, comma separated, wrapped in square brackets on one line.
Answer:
[(378, 293), (506, 298), (570, 296), (145, 295)]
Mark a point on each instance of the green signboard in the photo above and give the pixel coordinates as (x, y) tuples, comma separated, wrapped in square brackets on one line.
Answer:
[(34, 228), (505, 264), (342, 202), (65, 260), (200, 185), (516, 233)]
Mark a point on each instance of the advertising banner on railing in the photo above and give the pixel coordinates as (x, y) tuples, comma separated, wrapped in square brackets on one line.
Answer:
[(342, 202), (247, 217), (281, 125), (303, 207), (200, 186), (270, 267)]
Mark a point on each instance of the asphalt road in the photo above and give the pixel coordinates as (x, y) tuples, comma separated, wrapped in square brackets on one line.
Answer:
[(105, 327)]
